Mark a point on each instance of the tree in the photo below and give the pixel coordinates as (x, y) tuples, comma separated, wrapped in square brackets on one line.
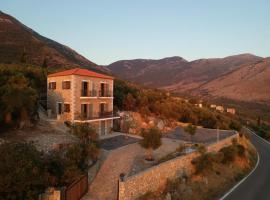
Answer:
[(89, 140), (21, 171), (19, 98), (129, 102), (151, 141), (191, 130)]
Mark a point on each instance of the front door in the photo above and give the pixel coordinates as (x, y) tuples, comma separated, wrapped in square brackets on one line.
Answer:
[(102, 127), (59, 108)]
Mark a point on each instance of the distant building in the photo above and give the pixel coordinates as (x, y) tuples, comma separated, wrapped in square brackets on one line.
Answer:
[(199, 105), (213, 106), (220, 108), (231, 110)]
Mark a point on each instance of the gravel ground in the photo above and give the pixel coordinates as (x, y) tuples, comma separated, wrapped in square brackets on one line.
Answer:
[(203, 135)]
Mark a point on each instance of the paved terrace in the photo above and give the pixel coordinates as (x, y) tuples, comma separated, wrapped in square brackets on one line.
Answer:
[(203, 135)]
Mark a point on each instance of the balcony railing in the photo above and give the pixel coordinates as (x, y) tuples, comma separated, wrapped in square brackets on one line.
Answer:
[(89, 93), (105, 93), (96, 115), (94, 93)]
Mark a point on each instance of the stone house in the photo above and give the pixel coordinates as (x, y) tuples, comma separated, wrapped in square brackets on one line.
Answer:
[(81, 95), (231, 110), (213, 106), (220, 108)]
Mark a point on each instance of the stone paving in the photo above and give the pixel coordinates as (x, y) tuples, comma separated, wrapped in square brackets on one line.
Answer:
[(126, 159), (105, 185)]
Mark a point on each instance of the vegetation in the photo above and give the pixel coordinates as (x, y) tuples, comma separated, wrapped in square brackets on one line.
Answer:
[(157, 103), (20, 87), (212, 177), (191, 130), (26, 172), (225, 155), (151, 141), (89, 142), (262, 130), (22, 173)]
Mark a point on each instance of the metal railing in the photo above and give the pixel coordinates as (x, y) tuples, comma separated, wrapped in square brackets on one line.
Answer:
[(105, 93), (95, 115), (88, 93), (94, 93)]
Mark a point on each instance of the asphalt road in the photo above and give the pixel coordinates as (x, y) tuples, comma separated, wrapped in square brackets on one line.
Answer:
[(257, 185)]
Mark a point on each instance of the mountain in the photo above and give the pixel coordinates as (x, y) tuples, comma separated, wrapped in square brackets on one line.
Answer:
[(248, 83), (177, 74), (243, 77), (18, 43)]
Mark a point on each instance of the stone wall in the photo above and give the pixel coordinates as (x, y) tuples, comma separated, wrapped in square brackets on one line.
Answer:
[(156, 177)]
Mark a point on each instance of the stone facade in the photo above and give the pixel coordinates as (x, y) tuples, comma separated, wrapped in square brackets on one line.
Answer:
[(156, 177), (97, 99)]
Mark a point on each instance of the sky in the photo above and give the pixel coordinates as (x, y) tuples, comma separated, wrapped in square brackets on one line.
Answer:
[(105, 31)]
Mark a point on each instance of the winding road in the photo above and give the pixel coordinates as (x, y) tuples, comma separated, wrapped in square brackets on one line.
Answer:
[(257, 185)]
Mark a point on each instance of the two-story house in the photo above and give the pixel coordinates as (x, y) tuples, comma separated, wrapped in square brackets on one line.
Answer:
[(81, 95)]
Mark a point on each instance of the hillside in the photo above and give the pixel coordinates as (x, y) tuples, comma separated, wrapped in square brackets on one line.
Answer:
[(18, 42), (175, 73), (248, 83), (200, 77)]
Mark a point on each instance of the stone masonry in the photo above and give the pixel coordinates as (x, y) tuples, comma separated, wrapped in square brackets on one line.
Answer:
[(156, 177)]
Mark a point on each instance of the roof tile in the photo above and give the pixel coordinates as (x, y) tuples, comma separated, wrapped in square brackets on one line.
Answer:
[(80, 72)]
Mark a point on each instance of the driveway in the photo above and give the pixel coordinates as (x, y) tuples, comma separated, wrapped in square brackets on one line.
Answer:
[(257, 185)]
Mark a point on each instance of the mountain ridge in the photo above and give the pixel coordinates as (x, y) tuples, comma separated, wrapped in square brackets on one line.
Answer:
[(17, 39), (182, 76)]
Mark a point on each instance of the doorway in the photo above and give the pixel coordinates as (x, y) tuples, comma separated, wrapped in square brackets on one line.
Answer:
[(59, 108), (102, 127)]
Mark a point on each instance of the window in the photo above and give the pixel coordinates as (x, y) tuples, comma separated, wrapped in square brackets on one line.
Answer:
[(52, 85), (66, 85), (66, 108)]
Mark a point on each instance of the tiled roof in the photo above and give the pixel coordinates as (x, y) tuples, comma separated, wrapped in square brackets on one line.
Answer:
[(81, 72)]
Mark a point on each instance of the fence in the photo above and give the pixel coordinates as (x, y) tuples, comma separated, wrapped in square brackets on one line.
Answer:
[(77, 189)]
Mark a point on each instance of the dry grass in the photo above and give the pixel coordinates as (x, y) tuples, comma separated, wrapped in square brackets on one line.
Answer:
[(212, 182)]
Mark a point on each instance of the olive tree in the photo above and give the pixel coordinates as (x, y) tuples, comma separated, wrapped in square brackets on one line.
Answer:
[(191, 130), (151, 141)]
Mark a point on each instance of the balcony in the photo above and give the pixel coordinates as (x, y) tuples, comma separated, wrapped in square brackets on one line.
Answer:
[(88, 93), (105, 93), (95, 116)]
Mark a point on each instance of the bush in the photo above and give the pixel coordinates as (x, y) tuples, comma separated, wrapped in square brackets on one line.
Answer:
[(151, 141), (229, 154), (241, 150), (22, 174), (203, 162)]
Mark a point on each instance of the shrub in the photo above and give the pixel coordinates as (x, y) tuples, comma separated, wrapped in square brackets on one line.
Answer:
[(201, 149), (229, 154), (21, 171), (241, 150), (203, 162), (151, 141), (181, 148)]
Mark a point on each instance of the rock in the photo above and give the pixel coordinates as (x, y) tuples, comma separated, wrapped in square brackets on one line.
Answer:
[(160, 124), (168, 196)]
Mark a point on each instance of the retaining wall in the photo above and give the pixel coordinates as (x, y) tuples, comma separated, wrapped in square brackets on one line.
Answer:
[(155, 178)]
